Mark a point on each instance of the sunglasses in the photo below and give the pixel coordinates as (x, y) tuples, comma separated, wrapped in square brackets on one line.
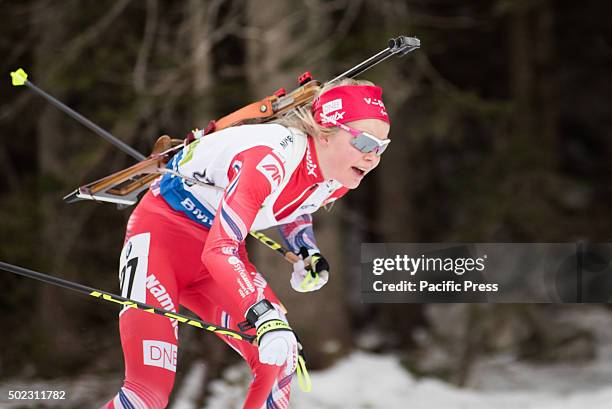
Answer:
[(362, 141)]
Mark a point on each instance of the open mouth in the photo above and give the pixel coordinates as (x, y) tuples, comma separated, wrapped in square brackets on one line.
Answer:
[(359, 172)]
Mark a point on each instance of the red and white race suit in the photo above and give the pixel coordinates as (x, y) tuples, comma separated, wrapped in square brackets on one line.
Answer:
[(185, 246)]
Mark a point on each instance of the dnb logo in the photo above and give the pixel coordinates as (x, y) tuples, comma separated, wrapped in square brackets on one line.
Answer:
[(159, 353)]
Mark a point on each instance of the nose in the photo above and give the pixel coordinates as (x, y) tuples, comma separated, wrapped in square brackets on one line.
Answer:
[(370, 156)]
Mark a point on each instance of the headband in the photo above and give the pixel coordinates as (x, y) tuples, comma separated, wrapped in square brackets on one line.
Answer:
[(348, 103)]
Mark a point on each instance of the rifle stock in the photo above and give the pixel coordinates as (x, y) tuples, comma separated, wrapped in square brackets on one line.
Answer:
[(123, 187)]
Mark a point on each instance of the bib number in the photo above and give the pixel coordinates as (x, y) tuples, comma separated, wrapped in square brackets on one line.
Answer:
[(133, 267)]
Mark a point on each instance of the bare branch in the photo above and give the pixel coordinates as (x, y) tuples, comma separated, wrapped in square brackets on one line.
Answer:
[(8, 171), (341, 31), (76, 46), (140, 69)]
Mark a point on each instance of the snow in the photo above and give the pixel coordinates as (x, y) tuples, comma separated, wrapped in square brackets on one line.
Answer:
[(83, 392), (367, 380), (505, 373), (187, 394)]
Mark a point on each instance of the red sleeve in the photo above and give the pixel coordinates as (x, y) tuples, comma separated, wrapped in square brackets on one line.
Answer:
[(253, 175)]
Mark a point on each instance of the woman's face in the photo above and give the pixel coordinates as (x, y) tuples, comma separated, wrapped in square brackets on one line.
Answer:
[(341, 161)]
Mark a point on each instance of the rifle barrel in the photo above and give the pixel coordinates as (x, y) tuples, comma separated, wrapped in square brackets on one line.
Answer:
[(401, 45)]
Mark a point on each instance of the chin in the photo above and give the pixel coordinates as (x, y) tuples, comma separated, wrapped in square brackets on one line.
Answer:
[(350, 183)]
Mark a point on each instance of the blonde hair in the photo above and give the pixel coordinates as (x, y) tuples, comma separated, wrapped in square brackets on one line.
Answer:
[(301, 118)]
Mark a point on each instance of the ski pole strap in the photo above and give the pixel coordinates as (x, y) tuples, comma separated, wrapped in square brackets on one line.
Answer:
[(302, 375), (310, 281), (270, 326), (301, 371), (316, 266)]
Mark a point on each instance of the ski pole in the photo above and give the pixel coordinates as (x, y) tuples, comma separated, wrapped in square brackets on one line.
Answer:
[(302, 372), (126, 302), (289, 255), (20, 77)]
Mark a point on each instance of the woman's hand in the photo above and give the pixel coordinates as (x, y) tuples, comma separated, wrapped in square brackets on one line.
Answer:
[(313, 277), (277, 343)]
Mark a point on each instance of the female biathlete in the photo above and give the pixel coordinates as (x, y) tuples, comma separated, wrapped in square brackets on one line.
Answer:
[(185, 243)]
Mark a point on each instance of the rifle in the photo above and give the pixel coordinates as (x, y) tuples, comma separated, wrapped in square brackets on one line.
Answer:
[(124, 187)]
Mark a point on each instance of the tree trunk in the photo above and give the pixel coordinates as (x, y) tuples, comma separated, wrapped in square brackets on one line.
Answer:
[(60, 344), (279, 35)]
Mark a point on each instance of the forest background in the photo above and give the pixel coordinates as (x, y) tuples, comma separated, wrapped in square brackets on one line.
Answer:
[(501, 129)]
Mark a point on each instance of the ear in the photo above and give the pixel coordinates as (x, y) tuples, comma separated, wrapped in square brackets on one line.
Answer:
[(323, 139)]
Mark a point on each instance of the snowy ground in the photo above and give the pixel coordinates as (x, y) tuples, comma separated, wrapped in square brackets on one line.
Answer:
[(373, 381), (365, 380)]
